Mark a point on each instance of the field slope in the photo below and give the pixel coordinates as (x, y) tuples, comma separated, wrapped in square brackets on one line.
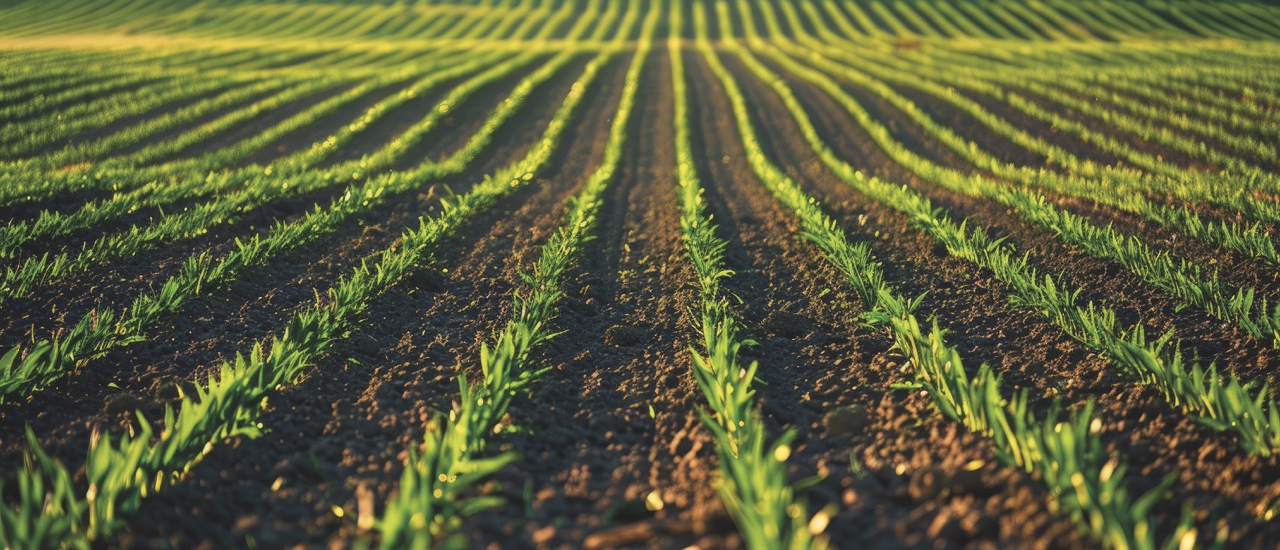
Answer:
[(754, 274)]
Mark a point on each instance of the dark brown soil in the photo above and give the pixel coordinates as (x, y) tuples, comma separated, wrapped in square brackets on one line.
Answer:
[(325, 126), (1235, 269), (122, 123), (200, 120), (1237, 483), (1178, 104), (592, 452), (257, 125), (259, 302), (111, 85), (396, 121), (485, 100), (1131, 139), (126, 279), (345, 428), (888, 443), (972, 130), (1027, 123)]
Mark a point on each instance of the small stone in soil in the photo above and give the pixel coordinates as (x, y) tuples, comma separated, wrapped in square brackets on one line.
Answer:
[(619, 536), (848, 420), (620, 335)]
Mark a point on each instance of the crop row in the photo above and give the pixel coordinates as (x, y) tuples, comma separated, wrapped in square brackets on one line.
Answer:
[(1110, 187), (1222, 404), (432, 497), (1149, 85), (1060, 20), (51, 510), (1225, 405), (99, 331), (1119, 183), (753, 481), (28, 188), (1066, 452), (48, 175), (822, 44), (1179, 278), (236, 192), (106, 108), (1054, 20), (192, 183), (125, 171), (490, 21), (240, 192), (164, 192), (69, 80)]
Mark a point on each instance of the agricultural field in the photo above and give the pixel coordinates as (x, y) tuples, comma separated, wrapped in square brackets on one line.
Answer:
[(671, 274)]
